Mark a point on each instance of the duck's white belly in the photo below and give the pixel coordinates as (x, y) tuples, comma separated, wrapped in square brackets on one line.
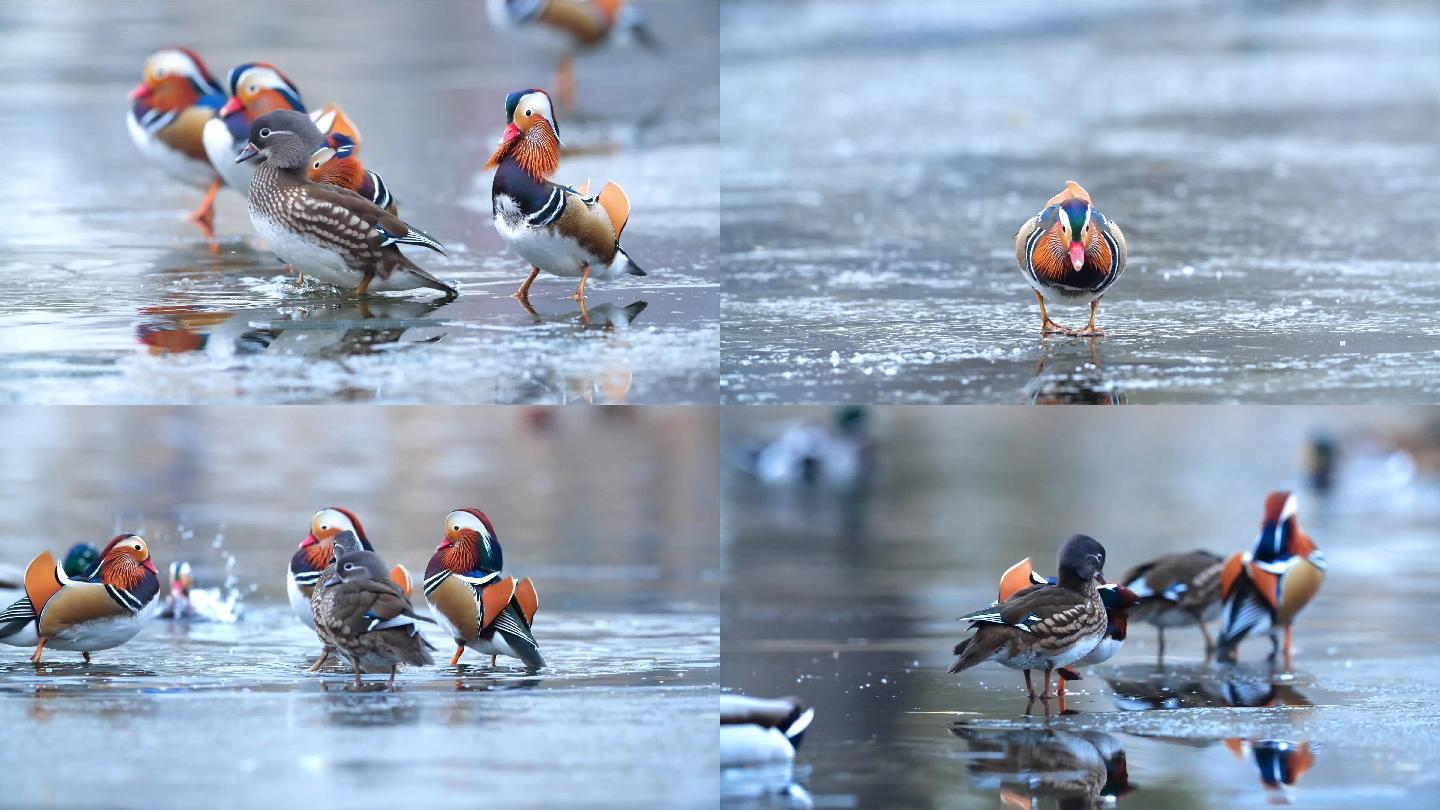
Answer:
[(298, 601), (175, 163), (749, 744), (309, 258), (221, 149), (102, 634), (24, 637), (1103, 651)]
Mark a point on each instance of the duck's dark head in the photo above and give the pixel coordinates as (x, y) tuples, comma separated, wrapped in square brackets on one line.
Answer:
[(286, 137), (1081, 558), (1280, 535)]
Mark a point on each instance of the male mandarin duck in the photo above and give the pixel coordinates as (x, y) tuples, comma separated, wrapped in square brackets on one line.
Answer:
[(573, 25), (1070, 252), (336, 163), (556, 228), (1263, 589), (365, 615), (168, 111), (327, 231), (1176, 590), (317, 551), (1118, 601), (189, 603), (85, 614), (1048, 626), (256, 88), (473, 601)]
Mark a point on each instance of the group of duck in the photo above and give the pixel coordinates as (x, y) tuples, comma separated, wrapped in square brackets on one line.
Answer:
[(325, 215), (337, 585), (1078, 618)]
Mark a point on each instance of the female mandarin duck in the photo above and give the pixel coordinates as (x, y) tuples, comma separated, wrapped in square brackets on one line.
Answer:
[(256, 88), (573, 25), (1046, 626), (1071, 253), (1264, 588), (168, 111), (329, 232), (1176, 590), (85, 614), (478, 606), (555, 228), (366, 615), (1118, 601)]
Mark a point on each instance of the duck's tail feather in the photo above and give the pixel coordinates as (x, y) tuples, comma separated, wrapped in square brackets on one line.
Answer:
[(976, 649)]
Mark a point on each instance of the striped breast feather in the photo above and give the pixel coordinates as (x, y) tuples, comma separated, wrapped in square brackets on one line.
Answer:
[(125, 599), (381, 192), (550, 211), (1242, 614)]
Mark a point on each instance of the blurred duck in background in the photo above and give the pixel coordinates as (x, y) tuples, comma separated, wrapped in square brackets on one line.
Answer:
[(186, 602), (568, 27), (168, 112), (840, 456), (1176, 590)]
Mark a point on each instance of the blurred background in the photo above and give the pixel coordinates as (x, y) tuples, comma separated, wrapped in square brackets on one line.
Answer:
[(854, 537), (103, 281), (612, 512), (1271, 164)]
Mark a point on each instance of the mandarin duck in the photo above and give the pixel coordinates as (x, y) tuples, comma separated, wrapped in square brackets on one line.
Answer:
[(362, 613), (1118, 601), (1048, 626), (168, 111), (573, 25), (256, 88), (473, 601), (189, 603), (1263, 589), (85, 614), (556, 228), (317, 551), (1176, 590), (1069, 252), (327, 231), (756, 731), (337, 163), (840, 456)]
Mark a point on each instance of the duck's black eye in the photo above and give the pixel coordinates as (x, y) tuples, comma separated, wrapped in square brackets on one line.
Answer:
[(265, 133), (315, 165), (456, 527), (527, 113)]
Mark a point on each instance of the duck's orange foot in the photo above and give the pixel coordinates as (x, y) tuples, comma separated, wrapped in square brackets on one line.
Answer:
[(455, 659), (1049, 327)]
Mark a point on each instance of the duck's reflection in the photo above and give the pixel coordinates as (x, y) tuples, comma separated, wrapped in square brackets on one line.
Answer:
[(1191, 688), (1077, 769), (1074, 376), (1280, 763), (323, 329), (373, 704)]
